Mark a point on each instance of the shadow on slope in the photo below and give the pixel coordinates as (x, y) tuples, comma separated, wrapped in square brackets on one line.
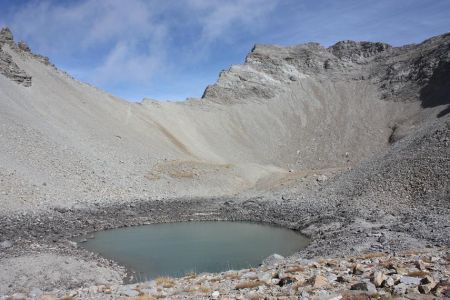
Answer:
[(437, 91)]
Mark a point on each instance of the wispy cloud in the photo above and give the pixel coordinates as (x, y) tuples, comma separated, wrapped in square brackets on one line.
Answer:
[(130, 42), (125, 42), (219, 17)]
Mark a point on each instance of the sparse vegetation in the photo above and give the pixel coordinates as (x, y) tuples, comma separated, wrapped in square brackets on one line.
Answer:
[(165, 282), (248, 284), (295, 269), (197, 288)]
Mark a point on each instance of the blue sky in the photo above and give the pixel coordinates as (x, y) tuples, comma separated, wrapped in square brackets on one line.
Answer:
[(172, 49)]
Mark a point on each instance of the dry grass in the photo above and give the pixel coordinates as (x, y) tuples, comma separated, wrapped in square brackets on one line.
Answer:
[(198, 289), (165, 282), (204, 289), (299, 284), (215, 279), (295, 269), (248, 284), (418, 274), (234, 275), (373, 255), (190, 275)]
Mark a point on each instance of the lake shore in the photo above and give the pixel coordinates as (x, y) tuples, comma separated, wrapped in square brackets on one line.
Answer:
[(42, 243)]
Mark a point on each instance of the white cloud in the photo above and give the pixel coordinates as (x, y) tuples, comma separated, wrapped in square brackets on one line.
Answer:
[(131, 41), (218, 18), (124, 65)]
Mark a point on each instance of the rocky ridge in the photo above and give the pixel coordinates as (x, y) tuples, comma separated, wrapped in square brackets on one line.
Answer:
[(7, 65), (399, 72)]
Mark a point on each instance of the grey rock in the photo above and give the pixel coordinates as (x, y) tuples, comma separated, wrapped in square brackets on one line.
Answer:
[(399, 289), (24, 47), (304, 296), (364, 286), (129, 292), (6, 244), (19, 296), (215, 295), (265, 277), (12, 71), (322, 178), (389, 282), (6, 36), (408, 280), (250, 275), (36, 293), (332, 277), (272, 259)]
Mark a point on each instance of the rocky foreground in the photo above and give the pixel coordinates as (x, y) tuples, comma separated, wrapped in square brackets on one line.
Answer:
[(421, 274)]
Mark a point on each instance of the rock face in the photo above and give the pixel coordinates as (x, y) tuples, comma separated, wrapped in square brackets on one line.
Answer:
[(403, 73), (11, 70), (6, 36), (24, 47), (7, 66)]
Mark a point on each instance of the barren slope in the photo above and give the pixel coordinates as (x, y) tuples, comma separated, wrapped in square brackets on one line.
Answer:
[(286, 109)]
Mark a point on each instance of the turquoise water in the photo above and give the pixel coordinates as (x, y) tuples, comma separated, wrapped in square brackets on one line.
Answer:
[(175, 249)]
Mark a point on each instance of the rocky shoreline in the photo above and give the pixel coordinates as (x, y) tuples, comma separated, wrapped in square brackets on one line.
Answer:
[(406, 275), (54, 232)]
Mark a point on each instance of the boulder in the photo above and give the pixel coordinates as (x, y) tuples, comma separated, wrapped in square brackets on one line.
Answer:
[(364, 286), (129, 292), (250, 275), (6, 244), (272, 259), (319, 281), (378, 278), (408, 280), (399, 289), (358, 269), (389, 282)]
